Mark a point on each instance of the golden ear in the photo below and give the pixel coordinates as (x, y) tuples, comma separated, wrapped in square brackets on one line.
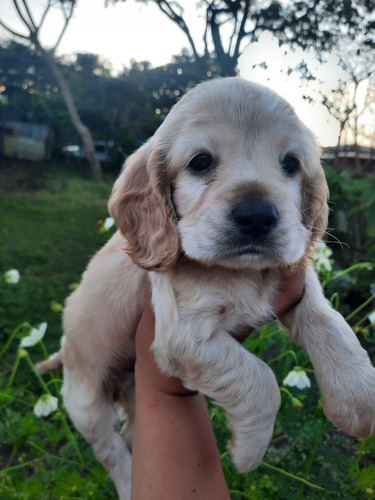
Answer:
[(141, 206), (315, 209)]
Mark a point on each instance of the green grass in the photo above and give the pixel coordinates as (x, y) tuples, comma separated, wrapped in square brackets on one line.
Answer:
[(48, 231), (48, 234)]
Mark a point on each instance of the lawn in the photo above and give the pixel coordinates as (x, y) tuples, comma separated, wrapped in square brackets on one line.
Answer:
[(48, 230)]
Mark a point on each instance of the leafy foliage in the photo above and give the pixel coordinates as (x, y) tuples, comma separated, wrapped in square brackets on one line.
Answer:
[(353, 216), (126, 108), (229, 25)]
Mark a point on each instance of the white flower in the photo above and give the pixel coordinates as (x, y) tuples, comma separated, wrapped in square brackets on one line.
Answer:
[(297, 378), (45, 405), (321, 257), (12, 276), (371, 318), (108, 223), (35, 335)]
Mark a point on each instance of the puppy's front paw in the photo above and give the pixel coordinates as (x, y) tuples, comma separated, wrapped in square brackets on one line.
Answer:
[(252, 428), (351, 407), (247, 449)]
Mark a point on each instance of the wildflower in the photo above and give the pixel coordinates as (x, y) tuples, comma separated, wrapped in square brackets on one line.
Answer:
[(296, 403), (56, 307), (12, 276), (322, 254), (107, 224), (371, 318), (297, 378), (35, 335), (45, 405), (22, 353)]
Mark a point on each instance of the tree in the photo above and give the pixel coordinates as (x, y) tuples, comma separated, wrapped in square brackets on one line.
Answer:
[(25, 83), (230, 25), (146, 94), (33, 38), (352, 102), (350, 98)]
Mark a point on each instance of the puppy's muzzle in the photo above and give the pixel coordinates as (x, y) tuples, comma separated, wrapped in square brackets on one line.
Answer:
[(255, 219)]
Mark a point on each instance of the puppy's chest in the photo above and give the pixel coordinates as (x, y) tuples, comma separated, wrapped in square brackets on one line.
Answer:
[(229, 302)]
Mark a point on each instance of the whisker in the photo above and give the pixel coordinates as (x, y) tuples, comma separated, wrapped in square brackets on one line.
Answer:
[(334, 240)]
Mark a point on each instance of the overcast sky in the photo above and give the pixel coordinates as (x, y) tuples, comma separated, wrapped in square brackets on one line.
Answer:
[(129, 30)]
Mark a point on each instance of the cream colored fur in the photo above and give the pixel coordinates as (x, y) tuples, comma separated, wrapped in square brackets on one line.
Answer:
[(208, 283)]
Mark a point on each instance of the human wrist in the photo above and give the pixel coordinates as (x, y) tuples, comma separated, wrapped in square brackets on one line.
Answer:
[(148, 377)]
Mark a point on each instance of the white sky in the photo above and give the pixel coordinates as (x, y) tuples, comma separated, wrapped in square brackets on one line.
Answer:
[(131, 31)]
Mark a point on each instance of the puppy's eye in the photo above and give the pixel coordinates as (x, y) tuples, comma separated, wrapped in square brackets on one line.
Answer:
[(201, 163), (290, 165)]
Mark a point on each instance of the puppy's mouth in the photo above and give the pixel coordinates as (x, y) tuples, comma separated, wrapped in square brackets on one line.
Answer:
[(247, 250), (248, 255), (238, 252)]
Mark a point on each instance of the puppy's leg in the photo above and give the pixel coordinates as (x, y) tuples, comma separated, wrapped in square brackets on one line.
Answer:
[(94, 416), (342, 368), (246, 388), (216, 365)]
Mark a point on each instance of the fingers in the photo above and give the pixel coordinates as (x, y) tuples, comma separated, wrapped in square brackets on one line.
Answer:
[(147, 372), (146, 327), (291, 292)]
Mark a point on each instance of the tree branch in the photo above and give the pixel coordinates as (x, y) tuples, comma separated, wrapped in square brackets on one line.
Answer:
[(22, 17), (233, 32), (12, 32), (206, 53), (215, 33), (44, 15), (167, 8), (29, 14), (241, 32), (67, 19)]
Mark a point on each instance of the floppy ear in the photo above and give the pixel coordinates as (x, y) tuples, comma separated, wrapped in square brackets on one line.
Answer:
[(141, 206), (315, 208)]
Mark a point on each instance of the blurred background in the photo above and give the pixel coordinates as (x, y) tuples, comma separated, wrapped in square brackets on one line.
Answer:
[(84, 83)]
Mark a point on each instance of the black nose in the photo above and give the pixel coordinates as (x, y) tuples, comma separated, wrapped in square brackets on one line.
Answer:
[(255, 219)]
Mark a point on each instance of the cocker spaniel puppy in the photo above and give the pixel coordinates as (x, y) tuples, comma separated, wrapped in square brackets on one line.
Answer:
[(227, 196)]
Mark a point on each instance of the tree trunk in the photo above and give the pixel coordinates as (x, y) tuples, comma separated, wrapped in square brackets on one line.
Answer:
[(82, 130)]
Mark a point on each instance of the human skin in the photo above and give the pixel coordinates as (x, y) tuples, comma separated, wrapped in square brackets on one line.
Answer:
[(174, 447)]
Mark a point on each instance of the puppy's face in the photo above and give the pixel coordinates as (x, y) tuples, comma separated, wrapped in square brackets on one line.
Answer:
[(237, 167), (231, 178)]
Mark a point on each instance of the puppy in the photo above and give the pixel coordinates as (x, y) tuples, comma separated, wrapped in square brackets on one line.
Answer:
[(227, 196)]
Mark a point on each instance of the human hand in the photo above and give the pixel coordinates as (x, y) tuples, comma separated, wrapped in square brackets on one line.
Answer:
[(146, 367)]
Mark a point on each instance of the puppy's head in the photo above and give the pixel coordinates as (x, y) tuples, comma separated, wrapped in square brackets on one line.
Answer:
[(231, 178)]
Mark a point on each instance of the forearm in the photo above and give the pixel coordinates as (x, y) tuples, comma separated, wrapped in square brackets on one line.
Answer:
[(174, 449)]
